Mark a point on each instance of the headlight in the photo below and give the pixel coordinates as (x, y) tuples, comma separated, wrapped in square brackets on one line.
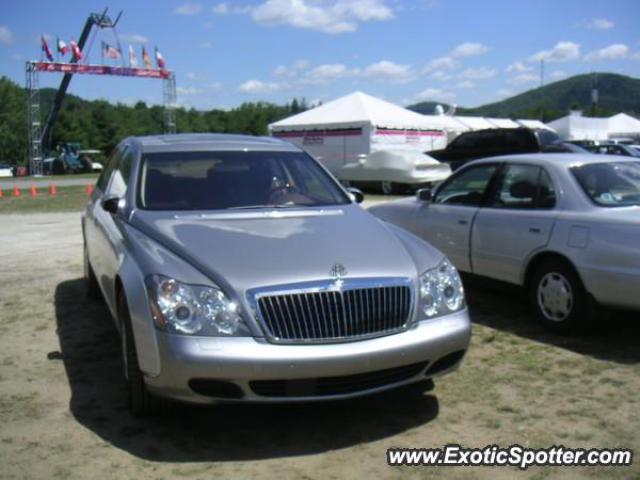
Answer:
[(441, 290), (193, 309)]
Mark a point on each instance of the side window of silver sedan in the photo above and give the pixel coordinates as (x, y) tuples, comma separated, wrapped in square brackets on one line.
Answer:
[(525, 187), (467, 187)]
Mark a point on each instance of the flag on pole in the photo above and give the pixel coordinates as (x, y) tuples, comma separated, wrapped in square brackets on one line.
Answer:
[(63, 48), (160, 60), (45, 48), (146, 59), (77, 53), (110, 51), (133, 61)]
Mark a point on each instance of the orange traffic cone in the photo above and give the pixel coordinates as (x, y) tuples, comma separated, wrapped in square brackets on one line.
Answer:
[(16, 190), (52, 190), (89, 189), (34, 191)]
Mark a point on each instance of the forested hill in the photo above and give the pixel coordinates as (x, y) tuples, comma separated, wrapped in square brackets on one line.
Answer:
[(617, 93), (100, 124)]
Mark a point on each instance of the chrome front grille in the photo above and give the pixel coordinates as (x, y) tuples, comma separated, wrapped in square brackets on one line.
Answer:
[(334, 314)]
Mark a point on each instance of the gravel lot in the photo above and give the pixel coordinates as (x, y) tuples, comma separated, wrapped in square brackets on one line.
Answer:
[(62, 410)]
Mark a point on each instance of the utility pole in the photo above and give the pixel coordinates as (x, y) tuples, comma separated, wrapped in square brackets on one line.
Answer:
[(542, 72), (594, 93)]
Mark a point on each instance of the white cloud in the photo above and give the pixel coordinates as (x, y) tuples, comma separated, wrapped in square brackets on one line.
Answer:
[(134, 38), (291, 70), (440, 63), (389, 71), (504, 92), (435, 94), (479, 73), (207, 44), (192, 76), (17, 57), (612, 52), (326, 73), (518, 67), (441, 76), (220, 9), (558, 74), (466, 84), (187, 91), (259, 87), (188, 9), (562, 52), (214, 86), (328, 16), (469, 49), (6, 36), (524, 78), (601, 24)]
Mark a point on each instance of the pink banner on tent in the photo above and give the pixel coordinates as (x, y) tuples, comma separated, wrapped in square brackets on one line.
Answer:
[(100, 70), (417, 133)]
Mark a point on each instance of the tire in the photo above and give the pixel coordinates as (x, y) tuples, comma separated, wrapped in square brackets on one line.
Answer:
[(388, 188), (140, 401), (558, 297), (91, 282)]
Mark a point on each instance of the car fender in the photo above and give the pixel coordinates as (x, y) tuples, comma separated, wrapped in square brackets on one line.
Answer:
[(144, 331)]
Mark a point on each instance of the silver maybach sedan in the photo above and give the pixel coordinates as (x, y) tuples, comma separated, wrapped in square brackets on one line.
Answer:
[(237, 269)]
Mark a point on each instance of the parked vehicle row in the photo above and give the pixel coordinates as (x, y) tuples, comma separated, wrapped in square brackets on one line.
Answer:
[(566, 227), (238, 269)]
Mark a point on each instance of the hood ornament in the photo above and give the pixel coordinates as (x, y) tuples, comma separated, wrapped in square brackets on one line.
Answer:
[(338, 271)]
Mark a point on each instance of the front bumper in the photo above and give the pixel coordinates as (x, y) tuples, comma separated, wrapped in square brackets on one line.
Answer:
[(241, 362)]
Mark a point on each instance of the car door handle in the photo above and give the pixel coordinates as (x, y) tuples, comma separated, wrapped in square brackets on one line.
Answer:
[(534, 230), (463, 222)]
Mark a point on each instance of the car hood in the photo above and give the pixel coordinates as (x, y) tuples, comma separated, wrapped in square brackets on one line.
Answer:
[(247, 249)]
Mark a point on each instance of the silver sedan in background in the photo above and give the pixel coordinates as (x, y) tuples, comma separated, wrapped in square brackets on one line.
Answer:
[(565, 226)]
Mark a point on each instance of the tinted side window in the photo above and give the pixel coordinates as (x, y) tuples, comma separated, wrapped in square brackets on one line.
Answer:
[(518, 140), (547, 137), (524, 186), (518, 187), (120, 177), (467, 187), (103, 180), (466, 140)]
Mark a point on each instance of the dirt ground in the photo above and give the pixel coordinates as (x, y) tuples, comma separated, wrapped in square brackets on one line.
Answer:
[(63, 415)]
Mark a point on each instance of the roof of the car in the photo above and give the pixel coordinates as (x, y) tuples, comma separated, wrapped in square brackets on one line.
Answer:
[(556, 159), (185, 142)]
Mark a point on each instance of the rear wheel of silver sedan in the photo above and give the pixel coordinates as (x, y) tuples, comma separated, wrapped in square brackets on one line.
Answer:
[(558, 297), (140, 401)]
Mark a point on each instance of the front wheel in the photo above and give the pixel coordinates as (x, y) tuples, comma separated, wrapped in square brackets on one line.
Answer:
[(560, 300)]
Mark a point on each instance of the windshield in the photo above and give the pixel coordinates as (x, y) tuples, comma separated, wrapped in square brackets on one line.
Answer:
[(613, 184), (234, 180)]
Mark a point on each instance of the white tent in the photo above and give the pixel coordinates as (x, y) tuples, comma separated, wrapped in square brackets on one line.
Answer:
[(622, 125), (475, 123), (502, 122), (449, 123), (525, 122), (351, 127), (576, 127)]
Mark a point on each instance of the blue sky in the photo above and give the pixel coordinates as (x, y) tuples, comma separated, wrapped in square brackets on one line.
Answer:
[(224, 53)]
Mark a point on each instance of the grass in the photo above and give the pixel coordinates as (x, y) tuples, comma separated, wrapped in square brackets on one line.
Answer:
[(67, 199)]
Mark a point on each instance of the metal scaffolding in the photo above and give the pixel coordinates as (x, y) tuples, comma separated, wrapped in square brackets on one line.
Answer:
[(34, 127), (37, 140), (169, 98)]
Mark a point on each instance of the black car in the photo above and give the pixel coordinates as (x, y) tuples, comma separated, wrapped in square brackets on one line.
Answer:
[(500, 141)]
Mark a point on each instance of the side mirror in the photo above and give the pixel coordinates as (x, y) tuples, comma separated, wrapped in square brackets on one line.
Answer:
[(356, 194), (110, 203), (424, 195)]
